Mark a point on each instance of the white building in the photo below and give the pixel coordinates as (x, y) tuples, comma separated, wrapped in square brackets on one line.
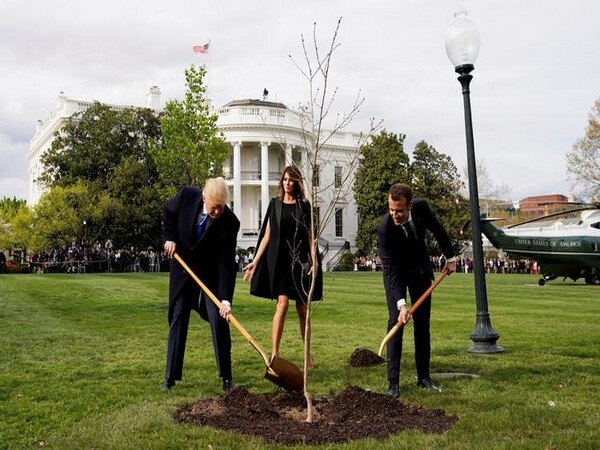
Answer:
[(264, 137), (44, 133)]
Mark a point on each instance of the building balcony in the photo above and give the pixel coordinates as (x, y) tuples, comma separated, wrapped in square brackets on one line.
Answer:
[(250, 114)]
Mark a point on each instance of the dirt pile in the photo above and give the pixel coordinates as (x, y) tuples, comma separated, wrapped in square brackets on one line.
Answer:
[(363, 357), (279, 418)]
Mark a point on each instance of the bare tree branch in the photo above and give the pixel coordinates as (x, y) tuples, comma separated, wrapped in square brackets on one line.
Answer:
[(319, 142)]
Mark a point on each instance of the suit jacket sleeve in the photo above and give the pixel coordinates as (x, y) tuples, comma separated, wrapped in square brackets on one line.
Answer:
[(171, 218), (395, 287), (438, 230), (227, 265)]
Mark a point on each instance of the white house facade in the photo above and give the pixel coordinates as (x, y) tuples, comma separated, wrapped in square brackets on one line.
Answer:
[(263, 137)]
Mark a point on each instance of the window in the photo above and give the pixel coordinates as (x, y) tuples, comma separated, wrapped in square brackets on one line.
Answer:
[(339, 222), (338, 177), (296, 156)]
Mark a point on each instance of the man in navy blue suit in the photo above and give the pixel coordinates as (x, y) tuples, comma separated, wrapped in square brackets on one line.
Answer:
[(200, 227), (407, 267)]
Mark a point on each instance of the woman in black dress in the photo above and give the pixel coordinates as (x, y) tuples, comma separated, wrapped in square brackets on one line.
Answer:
[(283, 256)]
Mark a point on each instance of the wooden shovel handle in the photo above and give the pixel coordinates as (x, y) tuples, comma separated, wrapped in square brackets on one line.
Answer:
[(412, 310), (216, 301)]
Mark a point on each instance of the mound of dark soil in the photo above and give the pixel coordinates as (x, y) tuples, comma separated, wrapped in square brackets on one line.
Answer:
[(279, 418), (363, 357)]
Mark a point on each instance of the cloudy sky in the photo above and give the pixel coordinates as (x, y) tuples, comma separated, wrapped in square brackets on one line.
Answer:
[(535, 80)]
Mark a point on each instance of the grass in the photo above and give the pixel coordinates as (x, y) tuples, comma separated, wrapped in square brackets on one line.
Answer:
[(83, 357)]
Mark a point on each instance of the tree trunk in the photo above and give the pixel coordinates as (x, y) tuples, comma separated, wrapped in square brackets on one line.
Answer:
[(309, 404)]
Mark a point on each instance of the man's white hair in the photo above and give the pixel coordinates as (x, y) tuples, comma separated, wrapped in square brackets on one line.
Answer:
[(215, 190)]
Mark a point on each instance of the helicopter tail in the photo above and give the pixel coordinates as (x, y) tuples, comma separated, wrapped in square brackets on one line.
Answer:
[(495, 235)]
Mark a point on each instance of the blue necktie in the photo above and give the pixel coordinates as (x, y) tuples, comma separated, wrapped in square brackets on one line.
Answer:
[(201, 225)]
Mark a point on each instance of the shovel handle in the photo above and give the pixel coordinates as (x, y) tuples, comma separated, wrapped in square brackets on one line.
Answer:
[(216, 301), (412, 310)]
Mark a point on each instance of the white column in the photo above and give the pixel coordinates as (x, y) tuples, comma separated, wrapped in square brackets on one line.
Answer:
[(237, 179), (264, 176), (288, 155)]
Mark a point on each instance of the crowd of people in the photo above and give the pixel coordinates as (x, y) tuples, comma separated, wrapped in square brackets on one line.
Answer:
[(366, 263), (492, 265), (101, 257), (463, 264)]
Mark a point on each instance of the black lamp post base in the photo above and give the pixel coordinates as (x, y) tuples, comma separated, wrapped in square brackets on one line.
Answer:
[(485, 348), (484, 337)]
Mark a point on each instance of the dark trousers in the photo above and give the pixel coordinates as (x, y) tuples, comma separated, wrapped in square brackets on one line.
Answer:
[(422, 339), (178, 330)]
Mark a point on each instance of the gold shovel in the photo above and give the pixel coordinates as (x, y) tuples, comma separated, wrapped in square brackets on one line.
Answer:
[(363, 357), (412, 310), (278, 370)]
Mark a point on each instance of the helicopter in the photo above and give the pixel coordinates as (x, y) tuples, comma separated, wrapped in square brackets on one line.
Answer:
[(565, 244)]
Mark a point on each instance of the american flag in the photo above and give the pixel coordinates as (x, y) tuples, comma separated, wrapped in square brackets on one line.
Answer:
[(201, 48)]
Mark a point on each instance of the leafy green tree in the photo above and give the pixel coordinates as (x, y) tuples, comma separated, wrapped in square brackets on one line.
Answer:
[(383, 162), (193, 149), (10, 206), (63, 215), (94, 142), (436, 179), (106, 150), (9, 209), (134, 214), (583, 161)]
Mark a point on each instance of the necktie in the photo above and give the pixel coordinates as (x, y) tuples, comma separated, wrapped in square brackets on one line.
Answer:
[(201, 225), (410, 232)]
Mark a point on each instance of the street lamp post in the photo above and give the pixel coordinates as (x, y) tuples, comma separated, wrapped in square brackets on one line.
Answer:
[(84, 234), (462, 47)]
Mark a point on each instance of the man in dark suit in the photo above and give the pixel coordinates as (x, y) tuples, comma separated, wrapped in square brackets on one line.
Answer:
[(407, 266), (198, 224)]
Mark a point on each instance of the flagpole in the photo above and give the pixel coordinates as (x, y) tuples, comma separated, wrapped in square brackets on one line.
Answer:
[(209, 52), (204, 49)]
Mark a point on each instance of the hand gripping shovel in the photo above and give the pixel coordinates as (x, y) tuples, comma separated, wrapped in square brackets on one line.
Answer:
[(281, 372), (365, 357), (412, 310)]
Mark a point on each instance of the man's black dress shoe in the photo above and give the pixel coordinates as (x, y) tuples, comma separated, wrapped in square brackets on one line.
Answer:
[(393, 390), (228, 385), (167, 384), (427, 383)]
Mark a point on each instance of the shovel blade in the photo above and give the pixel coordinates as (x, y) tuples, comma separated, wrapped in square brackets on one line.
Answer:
[(285, 374)]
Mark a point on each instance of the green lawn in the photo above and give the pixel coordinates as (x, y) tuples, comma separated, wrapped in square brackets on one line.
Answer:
[(82, 359)]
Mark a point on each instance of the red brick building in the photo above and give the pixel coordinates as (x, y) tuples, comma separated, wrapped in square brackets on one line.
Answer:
[(542, 205)]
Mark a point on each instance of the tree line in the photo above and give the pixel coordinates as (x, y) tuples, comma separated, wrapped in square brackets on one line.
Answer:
[(432, 175), (109, 171)]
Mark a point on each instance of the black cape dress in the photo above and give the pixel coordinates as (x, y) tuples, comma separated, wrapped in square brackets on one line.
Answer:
[(283, 267)]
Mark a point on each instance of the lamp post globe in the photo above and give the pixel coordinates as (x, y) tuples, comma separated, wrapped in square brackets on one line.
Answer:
[(462, 40), (462, 47)]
